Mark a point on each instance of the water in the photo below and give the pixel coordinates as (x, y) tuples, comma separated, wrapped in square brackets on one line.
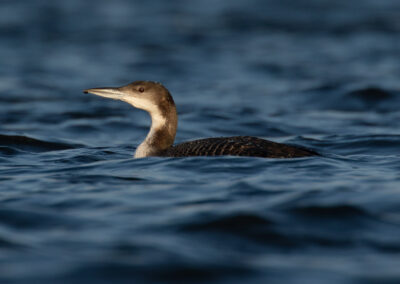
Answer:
[(76, 208)]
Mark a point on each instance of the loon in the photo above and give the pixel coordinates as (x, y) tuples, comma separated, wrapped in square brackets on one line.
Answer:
[(154, 98)]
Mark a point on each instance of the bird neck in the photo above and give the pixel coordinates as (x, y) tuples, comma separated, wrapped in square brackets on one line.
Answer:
[(164, 122)]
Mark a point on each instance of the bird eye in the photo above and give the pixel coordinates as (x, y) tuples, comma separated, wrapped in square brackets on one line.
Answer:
[(141, 89)]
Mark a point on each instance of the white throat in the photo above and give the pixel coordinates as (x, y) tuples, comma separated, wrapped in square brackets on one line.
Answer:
[(147, 147), (163, 128)]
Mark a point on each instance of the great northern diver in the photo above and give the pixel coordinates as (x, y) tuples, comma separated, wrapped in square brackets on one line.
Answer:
[(154, 98)]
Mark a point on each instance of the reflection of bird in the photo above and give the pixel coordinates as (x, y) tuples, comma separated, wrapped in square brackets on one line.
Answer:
[(157, 101)]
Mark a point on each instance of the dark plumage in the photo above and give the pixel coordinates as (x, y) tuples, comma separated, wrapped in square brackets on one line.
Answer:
[(236, 146)]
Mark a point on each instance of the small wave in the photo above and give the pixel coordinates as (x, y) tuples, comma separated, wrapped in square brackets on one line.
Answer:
[(339, 97), (368, 98), (8, 151), (175, 270), (31, 219), (31, 144), (236, 222), (96, 179), (336, 211), (367, 144), (370, 94), (6, 243)]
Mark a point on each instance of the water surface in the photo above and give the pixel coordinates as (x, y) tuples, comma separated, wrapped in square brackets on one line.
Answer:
[(76, 208)]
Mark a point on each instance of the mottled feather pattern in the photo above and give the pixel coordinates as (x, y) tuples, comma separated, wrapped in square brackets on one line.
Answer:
[(236, 146)]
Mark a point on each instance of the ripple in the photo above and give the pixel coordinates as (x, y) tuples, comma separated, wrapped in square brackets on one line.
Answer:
[(232, 223), (371, 94), (30, 219), (338, 211), (32, 144)]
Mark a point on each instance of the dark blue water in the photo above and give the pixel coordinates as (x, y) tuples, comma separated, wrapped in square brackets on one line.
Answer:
[(75, 207)]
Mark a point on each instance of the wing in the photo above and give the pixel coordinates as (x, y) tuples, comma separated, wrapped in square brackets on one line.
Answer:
[(236, 146)]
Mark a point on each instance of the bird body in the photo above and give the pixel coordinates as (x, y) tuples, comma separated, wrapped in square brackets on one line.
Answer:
[(154, 98), (235, 146)]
